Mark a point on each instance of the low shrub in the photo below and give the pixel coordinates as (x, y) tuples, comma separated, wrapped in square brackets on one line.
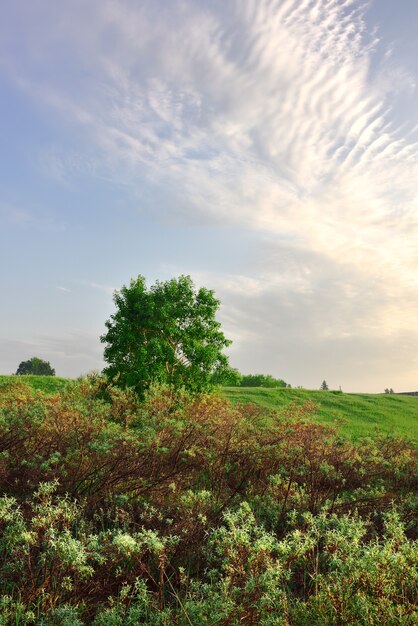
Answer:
[(181, 509)]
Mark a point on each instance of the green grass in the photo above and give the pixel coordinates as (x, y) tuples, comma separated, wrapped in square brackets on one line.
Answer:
[(48, 384), (358, 415)]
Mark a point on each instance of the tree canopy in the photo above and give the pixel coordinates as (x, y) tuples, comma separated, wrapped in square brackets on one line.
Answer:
[(166, 333), (36, 366), (261, 380)]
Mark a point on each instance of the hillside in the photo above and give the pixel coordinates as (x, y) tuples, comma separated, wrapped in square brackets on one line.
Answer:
[(48, 384), (357, 414)]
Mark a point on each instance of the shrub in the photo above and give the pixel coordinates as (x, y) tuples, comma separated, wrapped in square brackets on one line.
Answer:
[(182, 509)]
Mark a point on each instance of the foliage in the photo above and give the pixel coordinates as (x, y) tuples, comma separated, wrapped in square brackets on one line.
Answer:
[(167, 334), (35, 366), (324, 386), (261, 380), (356, 415), (333, 574), (228, 377), (387, 390), (183, 509)]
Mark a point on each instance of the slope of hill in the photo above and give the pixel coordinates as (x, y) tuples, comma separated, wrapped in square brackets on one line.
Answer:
[(357, 415), (49, 384)]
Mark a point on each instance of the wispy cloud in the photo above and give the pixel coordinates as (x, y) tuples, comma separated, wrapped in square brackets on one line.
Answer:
[(10, 214), (107, 289), (34, 217), (263, 113), (70, 354), (259, 115)]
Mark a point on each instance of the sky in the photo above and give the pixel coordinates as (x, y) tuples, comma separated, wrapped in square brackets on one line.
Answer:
[(267, 148)]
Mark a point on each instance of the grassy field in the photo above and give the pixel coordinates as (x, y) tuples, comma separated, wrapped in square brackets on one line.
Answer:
[(48, 384), (357, 414)]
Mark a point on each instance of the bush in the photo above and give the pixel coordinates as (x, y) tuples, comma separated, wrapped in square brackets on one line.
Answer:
[(182, 509), (261, 380)]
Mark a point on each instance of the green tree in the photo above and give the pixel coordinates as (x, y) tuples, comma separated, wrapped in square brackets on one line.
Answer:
[(324, 386), (166, 333), (227, 377), (262, 380), (35, 366)]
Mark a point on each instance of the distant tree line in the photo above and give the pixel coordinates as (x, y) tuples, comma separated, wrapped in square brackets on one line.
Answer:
[(262, 380), (232, 377)]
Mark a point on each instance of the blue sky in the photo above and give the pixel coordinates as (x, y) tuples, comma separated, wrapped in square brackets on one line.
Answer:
[(268, 148)]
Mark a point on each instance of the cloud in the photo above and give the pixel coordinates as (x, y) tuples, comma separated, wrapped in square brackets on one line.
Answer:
[(300, 317), (64, 289), (70, 354), (264, 116), (13, 352), (98, 286), (34, 217), (263, 113), (16, 216)]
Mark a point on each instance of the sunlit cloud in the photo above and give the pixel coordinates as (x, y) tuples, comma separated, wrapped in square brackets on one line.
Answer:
[(263, 115)]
